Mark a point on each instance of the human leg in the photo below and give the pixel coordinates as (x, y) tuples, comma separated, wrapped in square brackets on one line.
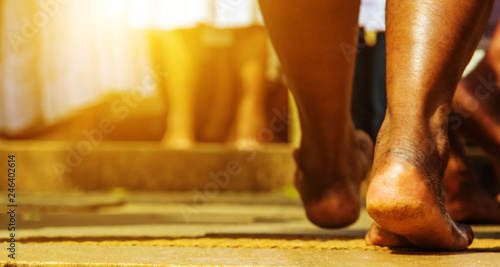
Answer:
[(333, 158), (181, 55), (406, 195), (466, 201), (361, 104), (251, 60), (476, 104), (378, 82)]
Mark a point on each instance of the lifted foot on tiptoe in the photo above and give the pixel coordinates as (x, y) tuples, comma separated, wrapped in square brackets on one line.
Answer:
[(406, 195), (331, 193)]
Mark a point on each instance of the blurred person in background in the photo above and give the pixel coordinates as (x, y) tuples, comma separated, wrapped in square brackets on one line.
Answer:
[(368, 94), (239, 45), (179, 56), (224, 39)]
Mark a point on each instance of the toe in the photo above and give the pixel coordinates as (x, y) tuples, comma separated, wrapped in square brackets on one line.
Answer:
[(468, 232)]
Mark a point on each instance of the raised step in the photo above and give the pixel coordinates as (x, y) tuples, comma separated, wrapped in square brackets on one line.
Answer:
[(209, 168)]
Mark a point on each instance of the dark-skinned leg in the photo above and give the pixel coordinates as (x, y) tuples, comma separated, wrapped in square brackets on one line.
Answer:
[(466, 201), (333, 157), (427, 51), (477, 104)]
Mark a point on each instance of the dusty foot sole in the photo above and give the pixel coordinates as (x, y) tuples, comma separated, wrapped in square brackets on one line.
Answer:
[(401, 199)]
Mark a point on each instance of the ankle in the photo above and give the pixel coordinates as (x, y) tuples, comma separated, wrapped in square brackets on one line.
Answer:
[(329, 152), (413, 142)]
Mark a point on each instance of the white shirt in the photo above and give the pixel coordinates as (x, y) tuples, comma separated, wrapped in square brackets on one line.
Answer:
[(372, 15), (175, 14)]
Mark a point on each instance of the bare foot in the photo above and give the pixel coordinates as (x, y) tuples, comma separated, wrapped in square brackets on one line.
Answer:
[(466, 201), (406, 194), (330, 194)]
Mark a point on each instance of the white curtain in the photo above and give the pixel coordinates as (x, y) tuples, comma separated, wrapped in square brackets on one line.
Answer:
[(61, 55), (175, 14)]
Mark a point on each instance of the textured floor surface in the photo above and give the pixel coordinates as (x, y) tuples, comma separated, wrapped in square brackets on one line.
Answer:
[(120, 228)]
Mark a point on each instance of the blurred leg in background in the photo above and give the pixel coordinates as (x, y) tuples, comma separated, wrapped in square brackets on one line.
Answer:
[(369, 93), (476, 117), (251, 53), (181, 56)]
